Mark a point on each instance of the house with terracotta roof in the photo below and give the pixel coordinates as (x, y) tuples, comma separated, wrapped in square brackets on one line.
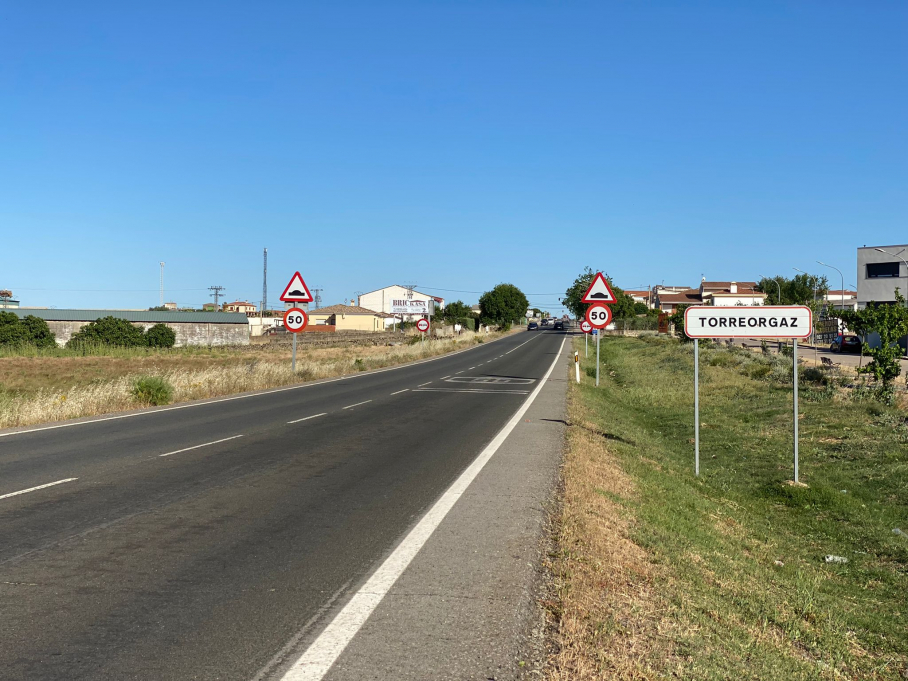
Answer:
[(718, 293), (638, 296), (350, 318)]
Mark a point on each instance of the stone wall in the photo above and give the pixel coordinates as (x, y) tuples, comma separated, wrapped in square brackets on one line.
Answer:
[(188, 333)]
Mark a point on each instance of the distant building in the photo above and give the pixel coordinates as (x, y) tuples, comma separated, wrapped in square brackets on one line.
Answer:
[(240, 306), (401, 302), (350, 318), (639, 296), (841, 300), (6, 300), (170, 306), (210, 307), (191, 328), (881, 270), (718, 293)]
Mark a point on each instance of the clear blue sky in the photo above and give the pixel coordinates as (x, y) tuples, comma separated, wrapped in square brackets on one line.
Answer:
[(453, 144)]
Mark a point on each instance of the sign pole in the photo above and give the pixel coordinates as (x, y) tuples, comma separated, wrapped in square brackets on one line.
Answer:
[(794, 357), (599, 333), (293, 361), (697, 406), (586, 344)]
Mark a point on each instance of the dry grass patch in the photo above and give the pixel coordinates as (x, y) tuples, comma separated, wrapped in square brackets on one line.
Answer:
[(99, 385), (608, 619)]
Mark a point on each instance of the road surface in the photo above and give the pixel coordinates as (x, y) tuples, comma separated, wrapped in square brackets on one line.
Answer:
[(217, 540)]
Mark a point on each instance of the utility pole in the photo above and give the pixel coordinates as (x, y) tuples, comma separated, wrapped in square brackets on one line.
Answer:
[(217, 292), (317, 297), (265, 284), (162, 285)]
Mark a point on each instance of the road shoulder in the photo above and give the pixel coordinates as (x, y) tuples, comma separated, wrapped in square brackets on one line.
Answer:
[(466, 606)]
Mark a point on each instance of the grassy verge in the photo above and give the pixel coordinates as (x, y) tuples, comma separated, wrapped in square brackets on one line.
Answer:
[(50, 388), (660, 574)]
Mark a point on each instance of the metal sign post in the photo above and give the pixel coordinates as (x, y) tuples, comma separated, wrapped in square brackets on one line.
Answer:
[(586, 345), (295, 320), (794, 357), (764, 321), (697, 406), (598, 333), (293, 360)]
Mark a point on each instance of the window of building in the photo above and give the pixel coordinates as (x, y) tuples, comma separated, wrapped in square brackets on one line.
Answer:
[(880, 270)]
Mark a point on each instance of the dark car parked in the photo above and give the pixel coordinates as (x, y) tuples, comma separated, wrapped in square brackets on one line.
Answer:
[(532, 326), (845, 344)]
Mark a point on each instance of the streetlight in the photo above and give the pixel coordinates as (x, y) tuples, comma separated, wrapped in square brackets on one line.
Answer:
[(813, 332), (777, 284), (843, 284)]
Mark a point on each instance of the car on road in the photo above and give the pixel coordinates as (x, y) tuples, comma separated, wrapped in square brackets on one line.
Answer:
[(845, 344), (532, 326), (544, 322), (559, 325)]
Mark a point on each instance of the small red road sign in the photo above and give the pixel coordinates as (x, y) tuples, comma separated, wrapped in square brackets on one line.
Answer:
[(422, 325), (599, 291), (599, 316), (296, 291), (585, 326), (295, 320)]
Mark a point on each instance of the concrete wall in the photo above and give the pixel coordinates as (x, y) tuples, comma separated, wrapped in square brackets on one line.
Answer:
[(195, 333), (878, 290)]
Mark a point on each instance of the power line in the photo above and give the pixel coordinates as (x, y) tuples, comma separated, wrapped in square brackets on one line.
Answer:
[(217, 292)]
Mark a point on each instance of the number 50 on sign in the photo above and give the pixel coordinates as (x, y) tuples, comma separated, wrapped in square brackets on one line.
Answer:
[(599, 316)]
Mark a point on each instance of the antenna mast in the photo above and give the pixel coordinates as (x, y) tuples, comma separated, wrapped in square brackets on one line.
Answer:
[(265, 284), (217, 292)]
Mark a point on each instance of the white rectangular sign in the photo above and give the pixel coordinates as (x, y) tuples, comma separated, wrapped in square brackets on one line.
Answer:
[(408, 306), (758, 321)]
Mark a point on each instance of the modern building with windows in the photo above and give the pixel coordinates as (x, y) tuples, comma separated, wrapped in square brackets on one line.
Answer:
[(881, 269)]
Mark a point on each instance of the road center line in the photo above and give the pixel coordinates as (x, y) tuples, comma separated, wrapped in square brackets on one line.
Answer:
[(350, 406), (32, 489), (422, 384), (186, 449), (309, 417), (443, 378), (400, 391), (315, 662)]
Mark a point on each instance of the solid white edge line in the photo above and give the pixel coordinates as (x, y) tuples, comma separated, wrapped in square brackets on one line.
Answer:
[(257, 393), (318, 658), (485, 392), (309, 417), (400, 391), (32, 489), (186, 449), (350, 406)]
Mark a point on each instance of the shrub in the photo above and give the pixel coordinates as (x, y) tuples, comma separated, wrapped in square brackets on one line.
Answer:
[(160, 336), (359, 364), (152, 390), (30, 329), (108, 331)]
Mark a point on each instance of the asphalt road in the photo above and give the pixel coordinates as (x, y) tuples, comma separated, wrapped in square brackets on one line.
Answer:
[(196, 542)]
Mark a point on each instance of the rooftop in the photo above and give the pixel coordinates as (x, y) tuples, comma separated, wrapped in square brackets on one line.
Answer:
[(347, 309)]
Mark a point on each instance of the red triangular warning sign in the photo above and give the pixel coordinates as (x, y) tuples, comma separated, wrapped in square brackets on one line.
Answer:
[(599, 291), (296, 291)]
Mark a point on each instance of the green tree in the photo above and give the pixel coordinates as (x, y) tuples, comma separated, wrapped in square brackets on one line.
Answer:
[(29, 329), (37, 332), (11, 331), (160, 336), (457, 310), (108, 331), (799, 290), (504, 304), (622, 308), (891, 323), (677, 318)]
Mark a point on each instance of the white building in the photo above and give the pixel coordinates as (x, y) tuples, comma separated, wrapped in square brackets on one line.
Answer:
[(881, 269), (405, 304)]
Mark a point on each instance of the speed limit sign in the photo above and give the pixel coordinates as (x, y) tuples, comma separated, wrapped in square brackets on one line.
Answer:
[(295, 320), (585, 326), (422, 325), (599, 316)]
